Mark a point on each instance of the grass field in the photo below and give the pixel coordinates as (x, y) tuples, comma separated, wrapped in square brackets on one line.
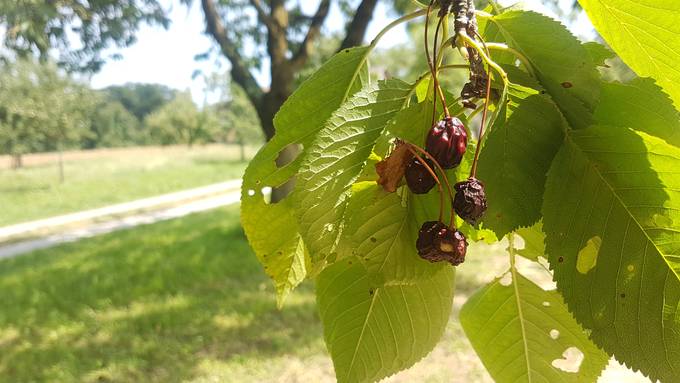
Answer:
[(99, 178), (182, 300)]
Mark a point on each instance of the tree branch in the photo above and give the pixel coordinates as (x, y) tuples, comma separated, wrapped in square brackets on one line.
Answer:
[(313, 33), (262, 14), (356, 30), (239, 70)]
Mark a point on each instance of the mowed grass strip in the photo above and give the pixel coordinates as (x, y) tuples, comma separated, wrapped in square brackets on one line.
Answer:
[(181, 300), (161, 303), (95, 179)]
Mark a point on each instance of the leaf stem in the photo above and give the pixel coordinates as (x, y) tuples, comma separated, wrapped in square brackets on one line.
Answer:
[(483, 15), (396, 22), (511, 252), (480, 137), (504, 76), (523, 59), (515, 284), (436, 57), (430, 64), (427, 74)]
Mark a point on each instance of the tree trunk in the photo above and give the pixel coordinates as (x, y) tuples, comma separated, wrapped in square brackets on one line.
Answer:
[(242, 147), (356, 30), (281, 88), (61, 166), (17, 161), (282, 67), (266, 113)]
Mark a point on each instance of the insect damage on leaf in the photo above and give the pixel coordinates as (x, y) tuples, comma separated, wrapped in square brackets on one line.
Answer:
[(391, 169)]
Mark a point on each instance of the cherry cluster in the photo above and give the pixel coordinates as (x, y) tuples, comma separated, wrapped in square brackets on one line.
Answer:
[(444, 148)]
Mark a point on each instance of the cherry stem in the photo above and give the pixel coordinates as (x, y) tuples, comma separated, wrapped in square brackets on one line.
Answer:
[(433, 65), (429, 58), (437, 87), (473, 171), (443, 173), (434, 175)]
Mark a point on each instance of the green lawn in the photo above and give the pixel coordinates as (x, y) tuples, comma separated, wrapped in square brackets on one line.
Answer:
[(182, 300), (35, 192)]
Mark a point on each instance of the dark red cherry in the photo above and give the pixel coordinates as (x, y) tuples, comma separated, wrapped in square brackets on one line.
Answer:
[(470, 200), (436, 242), (447, 141), (418, 178)]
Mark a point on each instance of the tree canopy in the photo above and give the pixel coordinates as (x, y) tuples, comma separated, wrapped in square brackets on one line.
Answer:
[(78, 30), (40, 109)]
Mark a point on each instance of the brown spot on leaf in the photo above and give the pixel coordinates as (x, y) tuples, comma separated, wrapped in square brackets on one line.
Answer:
[(391, 169), (560, 259), (373, 239), (567, 84)]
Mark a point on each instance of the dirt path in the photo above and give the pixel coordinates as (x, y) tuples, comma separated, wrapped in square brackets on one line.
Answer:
[(72, 227)]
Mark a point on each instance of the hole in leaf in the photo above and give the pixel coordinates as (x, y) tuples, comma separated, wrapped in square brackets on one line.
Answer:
[(267, 193), (251, 192), (554, 333), (546, 304), (571, 362), (506, 280), (519, 243), (288, 154)]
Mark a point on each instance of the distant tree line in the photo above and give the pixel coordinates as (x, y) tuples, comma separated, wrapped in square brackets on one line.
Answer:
[(43, 109)]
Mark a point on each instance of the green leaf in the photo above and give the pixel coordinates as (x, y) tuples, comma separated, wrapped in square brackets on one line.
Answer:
[(645, 34), (373, 330), (516, 157), (382, 232), (280, 248), (522, 333), (562, 65), (414, 122), (534, 238), (599, 54), (612, 224), (335, 159), (640, 105)]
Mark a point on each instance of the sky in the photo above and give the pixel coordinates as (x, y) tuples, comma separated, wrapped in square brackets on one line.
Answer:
[(167, 56)]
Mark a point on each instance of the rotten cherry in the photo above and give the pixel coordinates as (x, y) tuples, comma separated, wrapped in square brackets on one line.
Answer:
[(470, 200), (436, 242)]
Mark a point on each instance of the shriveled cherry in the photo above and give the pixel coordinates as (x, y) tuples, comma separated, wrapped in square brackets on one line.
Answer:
[(418, 178), (447, 141), (470, 200), (437, 242)]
